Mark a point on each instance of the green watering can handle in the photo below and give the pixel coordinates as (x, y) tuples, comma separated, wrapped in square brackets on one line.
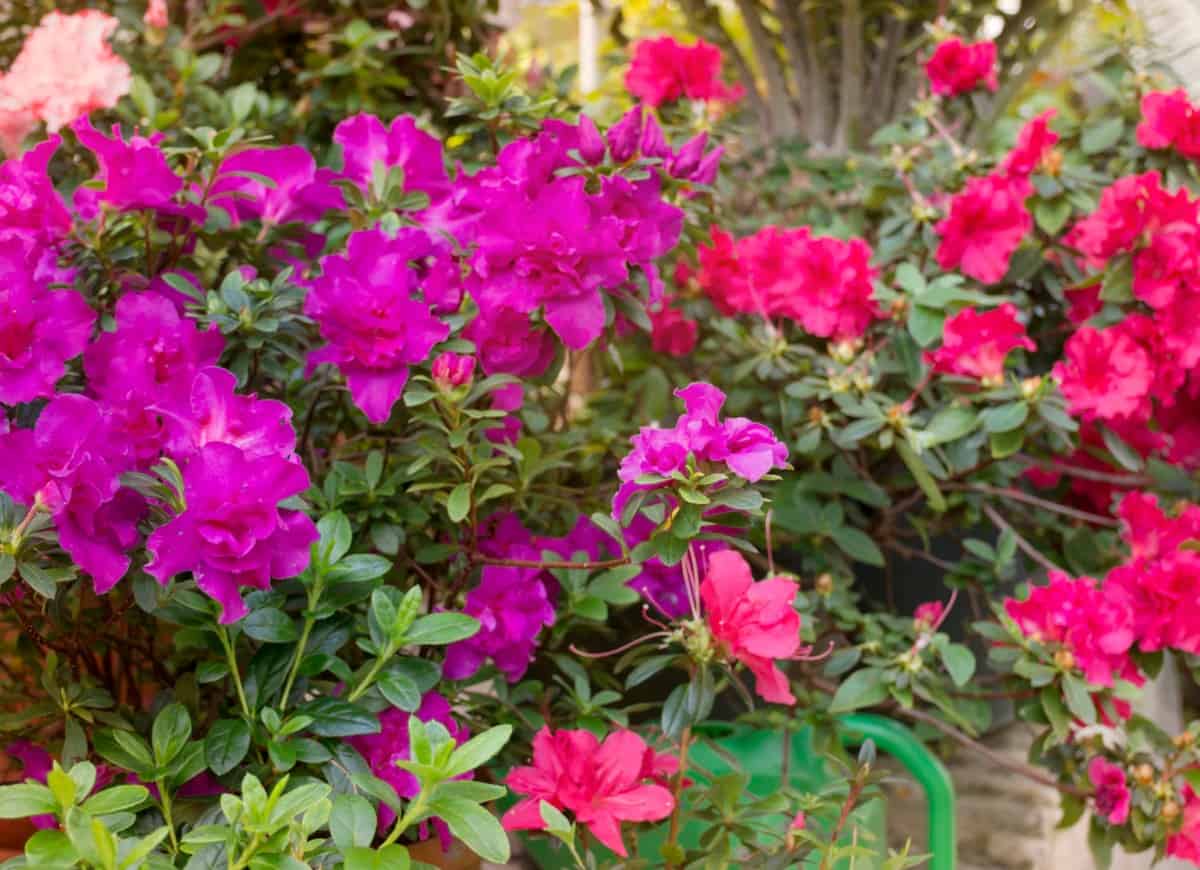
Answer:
[(900, 743)]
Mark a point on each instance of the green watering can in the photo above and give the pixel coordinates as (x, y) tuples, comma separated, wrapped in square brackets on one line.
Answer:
[(760, 755)]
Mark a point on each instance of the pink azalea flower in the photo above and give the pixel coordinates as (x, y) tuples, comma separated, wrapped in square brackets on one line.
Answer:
[(1034, 142), (985, 224), (452, 370), (671, 331), (663, 70), (1169, 120), (601, 784), (1112, 797), (754, 623), (956, 67), (156, 14), (1185, 843), (1105, 374), (65, 69), (927, 615), (975, 345), (1074, 613)]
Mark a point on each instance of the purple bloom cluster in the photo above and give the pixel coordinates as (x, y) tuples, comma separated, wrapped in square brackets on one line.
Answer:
[(375, 307), (747, 449), (512, 605)]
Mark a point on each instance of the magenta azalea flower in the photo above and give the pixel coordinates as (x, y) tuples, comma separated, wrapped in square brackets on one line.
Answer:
[(135, 174), (70, 463), (1112, 796), (217, 413), (370, 311), (40, 328), (365, 142), (29, 204), (301, 193), (232, 532)]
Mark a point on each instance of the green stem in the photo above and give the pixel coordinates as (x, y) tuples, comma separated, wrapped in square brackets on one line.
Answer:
[(164, 800), (369, 676), (247, 853), (414, 811), (231, 658), (314, 597)]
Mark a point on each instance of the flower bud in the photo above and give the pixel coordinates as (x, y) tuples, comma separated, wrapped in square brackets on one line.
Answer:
[(1170, 811), (1064, 660), (1030, 387), (1143, 774), (687, 160), (1052, 162), (452, 370), (653, 142), (624, 135), (1184, 740), (825, 584), (591, 143)]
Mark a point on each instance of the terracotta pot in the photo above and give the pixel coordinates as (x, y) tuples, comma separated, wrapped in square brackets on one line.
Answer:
[(458, 858), (13, 834)]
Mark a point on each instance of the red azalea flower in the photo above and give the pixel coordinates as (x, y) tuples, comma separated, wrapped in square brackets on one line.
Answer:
[(663, 70), (956, 67), (1185, 843), (1105, 374), (1112, 796), (1169, 120), (1034, 142), (927, 615), (671, 331), (602, 784), (975, 345), (986, 222), (754, 623)]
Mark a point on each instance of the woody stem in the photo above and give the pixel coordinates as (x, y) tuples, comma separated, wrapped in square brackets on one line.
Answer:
[(685, 741)]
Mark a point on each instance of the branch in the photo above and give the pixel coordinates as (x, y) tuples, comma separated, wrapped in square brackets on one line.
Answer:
[(1027, 548), (779, 101), (1018, 495), (551, 565), (1129, 480), (883, 78), (850, 95)]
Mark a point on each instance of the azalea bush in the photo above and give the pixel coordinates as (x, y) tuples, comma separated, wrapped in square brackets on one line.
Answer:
[(447, 478)]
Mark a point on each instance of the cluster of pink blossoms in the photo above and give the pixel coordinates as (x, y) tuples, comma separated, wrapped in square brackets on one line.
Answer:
[(1148, 602), (987, 220), (1140, 377), (743, 447), (975, 345), (956, 67), (1169, 120), (601, 783), (663, 71), (65, 69), (825, 285)]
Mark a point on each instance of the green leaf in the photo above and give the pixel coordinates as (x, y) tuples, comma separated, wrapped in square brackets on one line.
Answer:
[(925, 325), (400, 690), (388, 858), (125, 750), (949, 424), (270, 625), (1056, 711), (1102, 136), (479, 830), (1126, 456), (1051, 215), (171, 730), (1117, 285), (921, 475), (669, 548), (50, 849), (333, 717), (226, 745), (359, 568), (857, 544), (862, 688), (1003, 444), (437, 629), (115, 799), (1004, 418), (26, 799), (458, 504), (959, 662), (352, 822), (1078, 698), (478, 750), (334, 542)]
